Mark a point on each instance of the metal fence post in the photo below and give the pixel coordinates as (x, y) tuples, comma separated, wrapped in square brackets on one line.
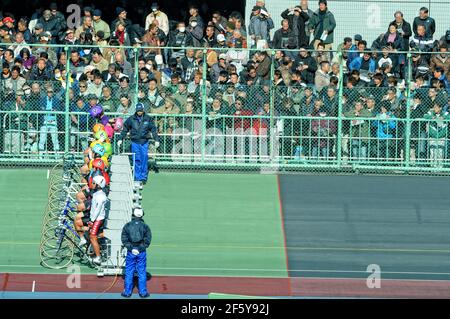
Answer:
[(272, 91), (204, 105), (340, 113), (67, 102), (136, 76), (408, 113)]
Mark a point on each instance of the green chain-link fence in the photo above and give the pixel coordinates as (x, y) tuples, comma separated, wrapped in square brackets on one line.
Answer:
[(275, 114)]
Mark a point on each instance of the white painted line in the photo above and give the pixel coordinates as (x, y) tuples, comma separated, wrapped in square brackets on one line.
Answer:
[(48, 174), (34, 286)]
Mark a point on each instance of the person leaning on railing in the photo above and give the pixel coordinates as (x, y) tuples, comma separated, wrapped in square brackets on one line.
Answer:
[(359, 128)]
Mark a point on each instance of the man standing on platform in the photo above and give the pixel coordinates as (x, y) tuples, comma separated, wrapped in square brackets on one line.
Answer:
[(141, 128)]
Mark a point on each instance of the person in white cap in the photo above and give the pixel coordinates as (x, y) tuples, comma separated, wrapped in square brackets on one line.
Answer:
[(162, 18), (136, 238)]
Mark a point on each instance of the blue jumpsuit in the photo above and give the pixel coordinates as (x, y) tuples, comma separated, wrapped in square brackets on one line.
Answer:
[(136, 235), (141, 129)]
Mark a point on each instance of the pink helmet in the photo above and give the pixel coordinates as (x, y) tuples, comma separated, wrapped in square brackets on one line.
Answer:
[(118, 124), (109, 130)]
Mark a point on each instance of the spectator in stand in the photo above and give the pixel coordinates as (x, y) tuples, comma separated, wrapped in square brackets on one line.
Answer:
[(98, 61), (126, 107), (52, 24), (49, 121), (86, 27), (107, 101), (427, 22), (100, 40), (209, 40), (297, 21), (179, 38), (196, 31), (70, 38), (422, 41), (322, 25), (37, 32), (15, 82), (365, 64), (386, 124), (76, 64), (306, 65), (5, 37), (121, 16), (27, 59), (8, 57), (219, 23), (100, 25), (403, 28), (126, 66), (393, 38), (161, 17), (283, 35), (357, 49), (320, 55), (259, 29), (96, 86), (193, 12), (121, 34), (9, 23), (322, 79), (41, 72), (22, 26), (19, 44), (441, 60)]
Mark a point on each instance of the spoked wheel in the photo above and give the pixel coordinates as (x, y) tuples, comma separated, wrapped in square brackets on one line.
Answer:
[(57, 254)]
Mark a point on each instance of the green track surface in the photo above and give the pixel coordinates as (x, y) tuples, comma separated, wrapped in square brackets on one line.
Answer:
[(215, 225), (202, 224)]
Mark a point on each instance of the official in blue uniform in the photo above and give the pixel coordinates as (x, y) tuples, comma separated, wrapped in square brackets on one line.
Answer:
[(141, 128), (136, 237)]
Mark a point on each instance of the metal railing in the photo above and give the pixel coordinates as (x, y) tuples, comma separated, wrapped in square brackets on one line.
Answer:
[(285, 126)]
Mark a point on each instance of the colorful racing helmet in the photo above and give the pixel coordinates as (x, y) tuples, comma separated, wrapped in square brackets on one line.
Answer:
[(98, 164), (104, 120), (96, 111), (105, 160), (108, 149), (101, 136), (95, 173), (98, 127), (118, 124), (109, 130), (99, 149)]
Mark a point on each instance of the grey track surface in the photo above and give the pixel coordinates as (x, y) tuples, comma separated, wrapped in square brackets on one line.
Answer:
[(338, 225)]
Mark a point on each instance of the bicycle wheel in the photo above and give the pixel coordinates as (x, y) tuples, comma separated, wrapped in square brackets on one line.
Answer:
[(56, 256)]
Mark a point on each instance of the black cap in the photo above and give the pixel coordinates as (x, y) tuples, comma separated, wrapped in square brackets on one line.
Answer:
[(97, 13), (358, 37), (53, 6), (119, 10), (101, 34), (256, 8)]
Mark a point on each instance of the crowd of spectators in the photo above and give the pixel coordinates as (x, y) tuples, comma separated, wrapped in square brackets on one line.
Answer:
[(170, 75)]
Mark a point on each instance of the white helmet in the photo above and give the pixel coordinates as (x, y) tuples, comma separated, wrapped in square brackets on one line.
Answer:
[(138, 212), (100, 181)]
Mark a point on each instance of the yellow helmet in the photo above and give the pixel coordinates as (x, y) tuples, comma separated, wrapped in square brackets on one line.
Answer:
[(98, 127)]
